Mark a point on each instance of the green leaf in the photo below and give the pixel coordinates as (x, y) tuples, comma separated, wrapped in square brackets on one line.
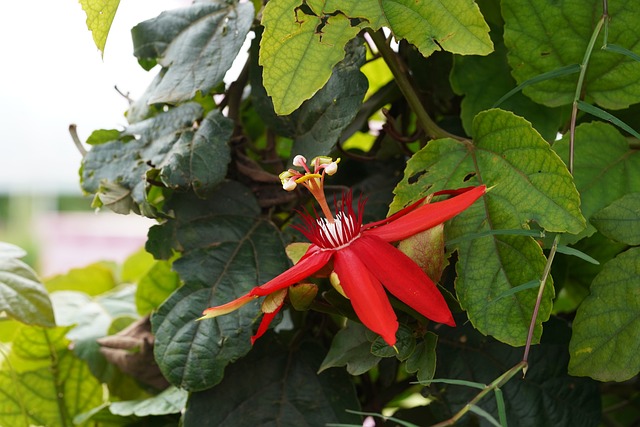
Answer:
[(199, 159), (100, 14), (528, 182), (491, 79), (574, 275), (455, 26), (156, 286), (276, 386), (136, 266), (196, 45), (299, 50), (607, 325), (422, 361), (546, 35), (303, 41), (92, 317), (101, 136), (351, 347), (45, 384), (227, 249), (317, 124), (22, 296), (620, 220), (170, 401), (405, 345), (546, 396), (94, 279), (185, 156), (605, 169)]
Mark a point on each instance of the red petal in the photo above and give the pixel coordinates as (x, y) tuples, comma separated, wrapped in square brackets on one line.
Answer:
[(367, 296), (403, 278), (311, 262), (426, 216), (264, 324)]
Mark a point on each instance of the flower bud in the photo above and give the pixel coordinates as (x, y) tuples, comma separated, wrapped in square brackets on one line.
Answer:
[(299, 161)]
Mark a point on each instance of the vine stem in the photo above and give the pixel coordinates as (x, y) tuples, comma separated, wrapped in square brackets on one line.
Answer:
[(494, 385), (572, 131), (536, 308), (577, 95), (403, 80)]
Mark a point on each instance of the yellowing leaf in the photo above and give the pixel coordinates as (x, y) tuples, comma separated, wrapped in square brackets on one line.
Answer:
[(100, 14), (298, 52)]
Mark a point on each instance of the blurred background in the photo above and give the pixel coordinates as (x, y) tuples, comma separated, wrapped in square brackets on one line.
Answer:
[(53, 75)]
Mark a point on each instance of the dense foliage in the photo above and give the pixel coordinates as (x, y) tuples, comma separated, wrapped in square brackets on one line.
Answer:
[(536, 99)]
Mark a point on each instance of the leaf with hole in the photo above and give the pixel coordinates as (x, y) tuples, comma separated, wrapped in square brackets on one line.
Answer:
[(527, 183)]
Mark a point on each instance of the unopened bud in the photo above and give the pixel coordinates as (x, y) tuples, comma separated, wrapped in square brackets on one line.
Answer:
[(331, 168), (289, 185), (299, 161)]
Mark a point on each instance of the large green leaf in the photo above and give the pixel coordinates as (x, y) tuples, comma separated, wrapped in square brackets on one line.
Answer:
[(606, 330), (317, 124), (44, 384), (488, 82), (620, 220), (227, 249), (456, 26), (22, 296), (100, 14), (546, 35), (185, 156), (546, 396), (196, 45), (298, 51), (605, 168), (274, 386), (528, 182), (302, 42)]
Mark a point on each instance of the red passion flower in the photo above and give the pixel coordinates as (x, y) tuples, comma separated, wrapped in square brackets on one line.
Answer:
[(365, 263)]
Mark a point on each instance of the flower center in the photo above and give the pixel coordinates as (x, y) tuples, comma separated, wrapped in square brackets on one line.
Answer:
[(341, 232)]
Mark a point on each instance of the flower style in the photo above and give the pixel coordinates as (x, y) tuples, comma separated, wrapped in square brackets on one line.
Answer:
[(365, 263)]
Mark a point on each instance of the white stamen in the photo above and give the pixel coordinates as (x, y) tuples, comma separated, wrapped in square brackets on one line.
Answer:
[(338, 233)]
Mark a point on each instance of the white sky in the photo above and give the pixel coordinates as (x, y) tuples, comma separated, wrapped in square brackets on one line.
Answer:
[(51, 75)]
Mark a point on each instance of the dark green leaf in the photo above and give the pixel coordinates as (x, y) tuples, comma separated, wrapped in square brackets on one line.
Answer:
[(620, 220), (116, 171), (404, 347), (199, 159), (274, 386), (227, 250), (422, 361), (352, 348), (196, 44), (606, 329), (547, 396), (22, 296), (605, 168)]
